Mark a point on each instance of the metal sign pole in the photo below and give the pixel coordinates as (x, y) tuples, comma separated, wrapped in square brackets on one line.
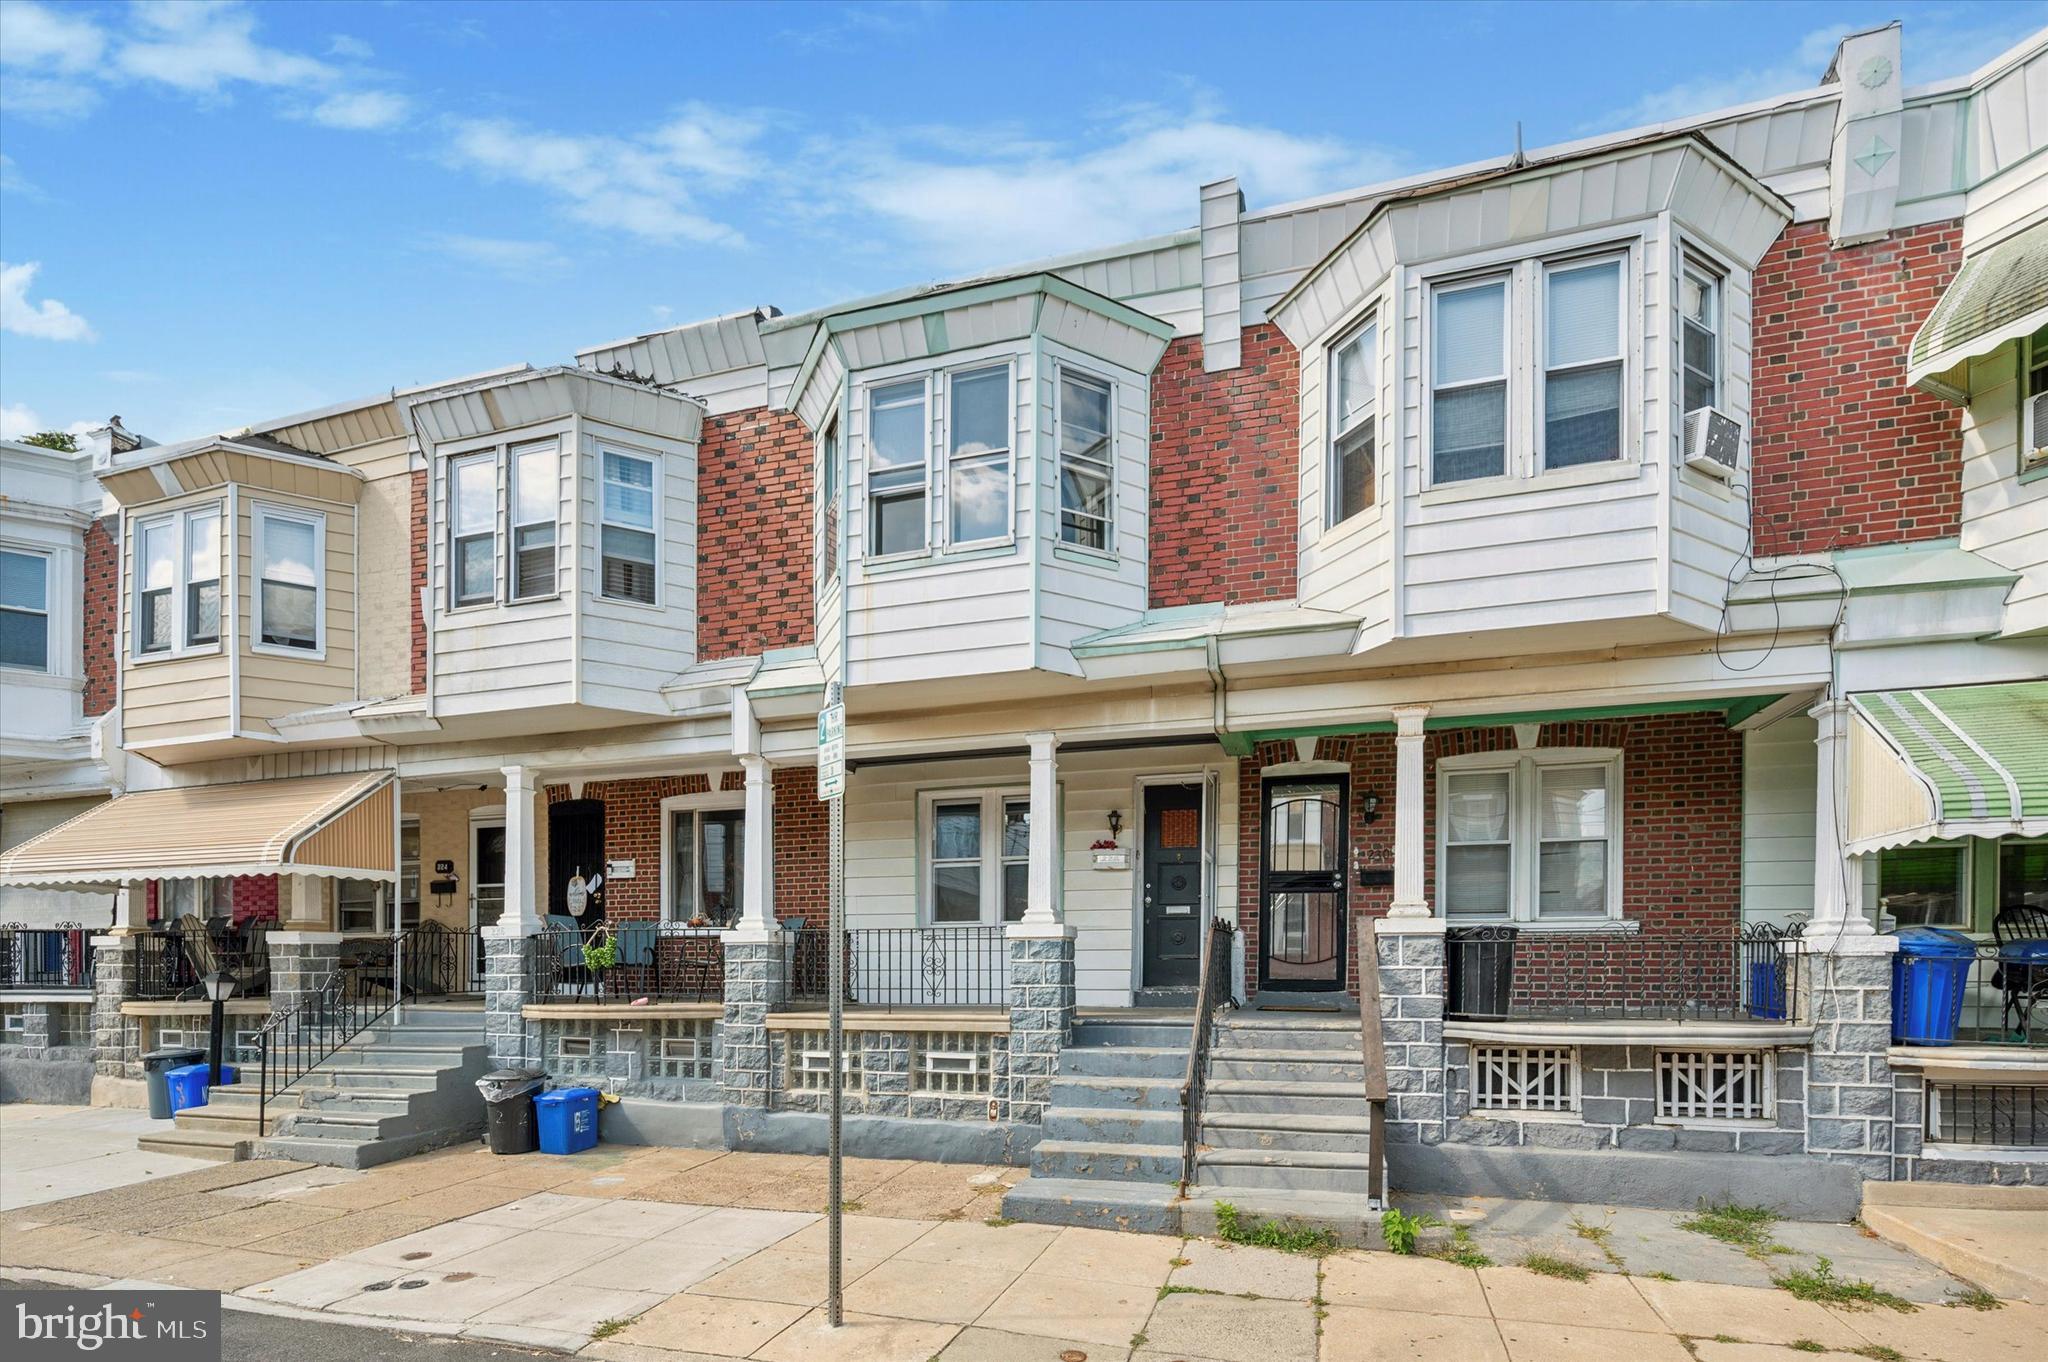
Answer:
[(831, 785)]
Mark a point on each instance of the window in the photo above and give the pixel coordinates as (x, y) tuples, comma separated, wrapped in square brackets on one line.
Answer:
[(952, 1063), (707, 856), (1714, 1085), (1087, 462), (536, 489), (1529, 836), (629, 540), (1925, 885), (1469, 422), (359, 905), (177, 566), (978, 455), (202, 577), (1354, 388), (2023, 874), (2034, 404), (1699, 324), (897, 446), (198, 898), (473, 529), (1524, 1078), (827, 534), (409, 872), (979, 856), (807, 1064), (1582, 375), (156, 582), (289, 546), (24, 610)]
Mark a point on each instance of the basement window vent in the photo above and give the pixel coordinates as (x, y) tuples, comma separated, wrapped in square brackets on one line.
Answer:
[(952, 1063), (580, 1049), (811, 1070), (683, 1048), (13, 1026), (1525, 1078), (575, 1047), (2006, 1116), (1714, 1085)]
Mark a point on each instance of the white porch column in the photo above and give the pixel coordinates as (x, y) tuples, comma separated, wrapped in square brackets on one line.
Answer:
[(1042, 898), (757, 876), (302, 904), (1837, 877), (131, 906), (520, 917), (1410, 900)]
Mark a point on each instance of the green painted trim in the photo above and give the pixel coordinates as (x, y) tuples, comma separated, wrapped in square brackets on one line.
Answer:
[(2034, 474), (935, 333), (1534, 716), (1235, 744), (1750, 706)]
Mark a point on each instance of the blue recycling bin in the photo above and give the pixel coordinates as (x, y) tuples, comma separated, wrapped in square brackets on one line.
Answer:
[(1930, 976), (568, 1120), (188, 1085), (1767, 988)]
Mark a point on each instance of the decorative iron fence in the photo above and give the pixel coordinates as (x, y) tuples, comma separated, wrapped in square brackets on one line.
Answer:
[(660, 961), (890, 967), (434, 961), (172, 960), (1212, 995), (1734, 974), (45, 958), (2007, 1115), (1997, 994), (295, 1041)]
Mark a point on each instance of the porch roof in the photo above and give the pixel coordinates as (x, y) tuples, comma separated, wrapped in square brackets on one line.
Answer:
[(338, 826), (1951, 761)]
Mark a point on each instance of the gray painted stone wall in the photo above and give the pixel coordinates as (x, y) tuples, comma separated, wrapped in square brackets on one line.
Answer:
[(1041, 1023), (627, 1055), (1849, 1090), (513, 1043), (755, 985), (116, 1040), (1412, 1024), (297, 971), (889, 1082)]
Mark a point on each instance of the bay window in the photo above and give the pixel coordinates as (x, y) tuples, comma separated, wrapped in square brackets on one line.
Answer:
[(897, 471), (473, 529), (1087, 464), (177, 569), (24, 610), (536, 488), (1582, 358), (977, 857), (1354, 387), (1469, 404), (290, 546), (1699, 324), (978, 477), (1529, 836), (630, 543)]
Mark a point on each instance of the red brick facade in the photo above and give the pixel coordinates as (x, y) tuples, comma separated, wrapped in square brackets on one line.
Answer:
[(753, 534), (414, 607), (1224, 473), (102, 615), (1844, 453)]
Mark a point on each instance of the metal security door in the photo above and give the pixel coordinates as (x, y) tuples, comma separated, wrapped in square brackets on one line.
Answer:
[(1301, 912)]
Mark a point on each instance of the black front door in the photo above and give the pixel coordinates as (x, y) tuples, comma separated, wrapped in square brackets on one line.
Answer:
[(1301, 920), (575, 847), (1173, 885)]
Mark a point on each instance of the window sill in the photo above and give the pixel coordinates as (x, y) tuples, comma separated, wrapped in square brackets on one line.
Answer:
[(2037, 473), (1621, 926), (175, 655), (1509, 484), (895, 562), (1352, 524), (652, 607), (979, 548), (1095, 558), (302, 654)]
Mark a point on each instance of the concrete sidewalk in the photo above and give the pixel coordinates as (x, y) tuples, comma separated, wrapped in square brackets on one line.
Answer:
[(1996, 1236), (48, 1153)]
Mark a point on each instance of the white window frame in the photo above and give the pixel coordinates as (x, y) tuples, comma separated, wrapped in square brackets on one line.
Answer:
[(993, 801), (1333, 482), (1524, 829), (830, 480), (411, 868), (261, 514), (1061, 372), (656, 491), (178, 524), (515, 526), (1716, 282), (44, 559), (1964, 850), (1438, 289), (380, 908), (187, 581), (1764, 1063), (1006, 456), (452, 540), (1543, 369), (714, 801), (923, 486)]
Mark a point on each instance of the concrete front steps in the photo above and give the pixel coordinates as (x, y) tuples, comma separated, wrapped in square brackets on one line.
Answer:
[(1110, 1156)]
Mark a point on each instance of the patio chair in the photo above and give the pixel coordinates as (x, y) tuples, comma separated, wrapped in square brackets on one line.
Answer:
[(636, 943), (2022, 974), (196, 944)]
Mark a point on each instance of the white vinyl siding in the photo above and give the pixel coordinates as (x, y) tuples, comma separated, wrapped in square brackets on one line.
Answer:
[(291, 577), (1530, 836), (25, 610), (979, 480), (630, 533), (897, 473), (1585, 375)]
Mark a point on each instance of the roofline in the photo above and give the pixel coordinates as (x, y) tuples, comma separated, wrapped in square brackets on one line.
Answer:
[(765, 312), (157, 454), (374, 400)]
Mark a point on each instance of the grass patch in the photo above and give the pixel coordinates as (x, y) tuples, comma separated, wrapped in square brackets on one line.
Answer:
[(1975, 1298), (1178, 1262), (1599, 1236), (850, 1206), (1564, 1269), (1662, 1277), (608, 1328), (1746, 1227), (1462, 1251), (1170, 1290), (1402, 1231), (1877, 1352), (1806, 1345), (1824, 1287), (1233, 1228)]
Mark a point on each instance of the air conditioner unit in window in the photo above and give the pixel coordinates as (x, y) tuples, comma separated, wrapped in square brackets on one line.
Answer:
[(2034, 432), (1712, 442)]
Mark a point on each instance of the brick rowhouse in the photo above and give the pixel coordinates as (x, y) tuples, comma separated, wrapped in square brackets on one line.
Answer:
[(1224, 473), (1843, 451), (101, 616), (753, 534)]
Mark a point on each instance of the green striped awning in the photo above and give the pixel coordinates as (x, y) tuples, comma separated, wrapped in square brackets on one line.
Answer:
[(1951, 761), (1999, 295)]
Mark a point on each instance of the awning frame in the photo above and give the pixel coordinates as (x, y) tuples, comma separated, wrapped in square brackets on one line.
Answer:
[(1997, 806)]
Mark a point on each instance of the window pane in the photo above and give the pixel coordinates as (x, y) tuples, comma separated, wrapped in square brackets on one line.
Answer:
[(723, 863), (476, 496), (156, 619), (535, 479), (1471, 433), (1922, 886), (981, 417), (1084, 417), (1696, 299), (1572, 880), (1476, 880), (628, 491), (1084, 497), (628, 570), (682, 841), (1699, 349), (533, 560), (1470, 326), (899, 524), (1016, 891), (1354, 378), (1016, 828), (1583, 318), (202, 547), (1355, 471), (22, 582), (896, 415), (956, 893), (980, 499), (1574, 803), (2023, 875), (1699, 390), (288, 615), (202, 612), (1582, 416), (1476, 806), (474, 579), (288, 551), (159, 568), (956, 832), (24, 640)]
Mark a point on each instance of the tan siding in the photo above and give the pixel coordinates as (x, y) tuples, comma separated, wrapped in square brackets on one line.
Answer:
[(361, 837)]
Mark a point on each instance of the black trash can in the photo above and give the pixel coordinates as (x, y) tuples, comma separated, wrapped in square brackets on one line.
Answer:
[(155, 1065), (509, 1125), (1480, 962)]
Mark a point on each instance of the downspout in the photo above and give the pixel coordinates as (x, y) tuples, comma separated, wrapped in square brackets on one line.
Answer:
[(1219, 691)]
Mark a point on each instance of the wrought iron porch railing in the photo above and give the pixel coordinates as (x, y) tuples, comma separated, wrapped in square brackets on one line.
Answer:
[(1996, 995), (45, 958), (295, 1041), (1499, 973), (172, 960), (432, 961), (664, 962), (1212, 994), (901, 967)]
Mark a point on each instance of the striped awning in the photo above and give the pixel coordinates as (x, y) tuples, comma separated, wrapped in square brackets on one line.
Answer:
[(1999, 295), (339, 826), (1952, 761)]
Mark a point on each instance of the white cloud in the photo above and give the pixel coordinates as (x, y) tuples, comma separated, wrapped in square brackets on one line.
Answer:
[(200, 47), (18, 421), (507, 256), (44, 320), (361, 110), (849, 26), (12, 181), (349, 48), (35, 36)]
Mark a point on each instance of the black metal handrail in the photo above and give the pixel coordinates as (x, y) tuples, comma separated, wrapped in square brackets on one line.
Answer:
[(891, 967), (45, 958), (298, 1039), (1213, 993), (660, 961), (1742, 974), (171, 961)]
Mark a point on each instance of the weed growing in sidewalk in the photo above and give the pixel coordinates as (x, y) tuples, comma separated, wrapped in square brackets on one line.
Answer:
[(1171, 1290), (1598, 1236), (1402, 1230), (1824, 1287), (1974, 1298), (1806, 1345), (1232, 1228), (1461, 1250), (1746, 1227), (1564, 1269), (608, 1328), (1877, 1352)]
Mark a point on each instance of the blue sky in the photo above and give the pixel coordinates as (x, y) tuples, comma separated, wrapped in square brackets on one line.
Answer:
[(215, 213)]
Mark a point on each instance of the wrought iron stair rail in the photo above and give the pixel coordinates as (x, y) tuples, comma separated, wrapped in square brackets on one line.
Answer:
[(1212, 994), (299, 1039), (1373, 1056)]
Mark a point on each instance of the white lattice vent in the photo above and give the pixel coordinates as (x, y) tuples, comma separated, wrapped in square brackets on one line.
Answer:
[(952, 1063), (1525, 1078), (681, 1048), (1713, 1085)]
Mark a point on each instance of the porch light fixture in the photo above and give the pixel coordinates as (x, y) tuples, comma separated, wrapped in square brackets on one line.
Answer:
[(220, 986), (1369, 807), (1116, 823)]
